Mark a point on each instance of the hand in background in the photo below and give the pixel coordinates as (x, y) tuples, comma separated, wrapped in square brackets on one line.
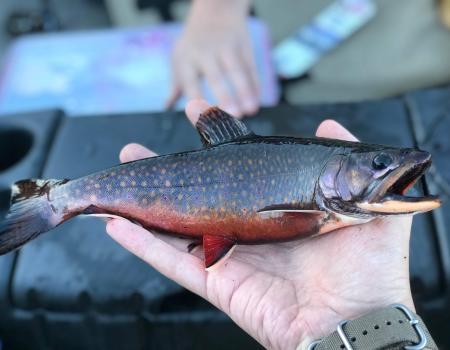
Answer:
[(289, 293), (215, 45)]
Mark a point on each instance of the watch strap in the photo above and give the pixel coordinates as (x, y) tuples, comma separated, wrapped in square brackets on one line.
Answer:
[(391, 328)]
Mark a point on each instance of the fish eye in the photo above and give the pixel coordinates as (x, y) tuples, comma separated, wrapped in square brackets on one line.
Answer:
[(381, 161)]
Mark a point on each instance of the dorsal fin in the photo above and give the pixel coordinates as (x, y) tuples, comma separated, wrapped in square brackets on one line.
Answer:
[(216, 126)]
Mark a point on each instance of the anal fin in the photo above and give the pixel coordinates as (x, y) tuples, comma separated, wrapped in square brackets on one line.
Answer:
[(216, 249)]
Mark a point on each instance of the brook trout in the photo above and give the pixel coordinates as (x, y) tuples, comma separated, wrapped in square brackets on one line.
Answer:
[(239, 189)]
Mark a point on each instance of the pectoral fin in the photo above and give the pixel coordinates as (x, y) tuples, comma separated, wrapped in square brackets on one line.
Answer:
[(280, 210), (216, 126), (216, 249)]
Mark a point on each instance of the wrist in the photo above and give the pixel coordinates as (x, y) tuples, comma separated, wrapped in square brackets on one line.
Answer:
[(320, 322), (393, 327)]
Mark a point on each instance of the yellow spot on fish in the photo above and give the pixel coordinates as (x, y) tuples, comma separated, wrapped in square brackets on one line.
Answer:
[(133, 183), (152, 194), (167, 183), (199, 179), (144, 200), (272, 182), (180, 197), (113, 173), (108, 187), (222, 209), (250, 161), (204, 189), (163, 171), (155, 182), (144, 183), (97, 185), (181, 182), (241, 177), (260, 162), (132, 173), (230, 163), (122, 184), (92, 197)]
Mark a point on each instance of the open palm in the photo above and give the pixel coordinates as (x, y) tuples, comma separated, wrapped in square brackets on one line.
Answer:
[(286, 294)]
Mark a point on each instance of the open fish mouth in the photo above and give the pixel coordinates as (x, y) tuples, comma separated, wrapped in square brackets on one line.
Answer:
[(388, 195)]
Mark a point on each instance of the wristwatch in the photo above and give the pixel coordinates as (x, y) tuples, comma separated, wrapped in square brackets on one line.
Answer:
[(392, 328)]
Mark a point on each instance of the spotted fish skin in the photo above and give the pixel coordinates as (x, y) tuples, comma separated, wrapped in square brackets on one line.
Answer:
[(217, 191), (239, 189)]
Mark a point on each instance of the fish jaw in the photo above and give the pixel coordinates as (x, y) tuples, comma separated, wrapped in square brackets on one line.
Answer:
[(394, 204), (389, 198)]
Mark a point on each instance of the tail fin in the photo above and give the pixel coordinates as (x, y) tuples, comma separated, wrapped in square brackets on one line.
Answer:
[(30, 213)]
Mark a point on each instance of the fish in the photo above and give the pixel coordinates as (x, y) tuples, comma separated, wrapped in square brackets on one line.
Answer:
[(240, 188)]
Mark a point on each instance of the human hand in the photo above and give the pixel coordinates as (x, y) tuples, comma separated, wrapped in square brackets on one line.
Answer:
[(284, 294), (215, 44)]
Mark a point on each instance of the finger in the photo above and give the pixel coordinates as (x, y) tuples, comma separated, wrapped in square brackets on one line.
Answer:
[(215, 78), (249, 61), (333, 130), (240, 79), (184, 268), (134, 151), (189, 80), (182, 244), (195, 108), (174, 95)]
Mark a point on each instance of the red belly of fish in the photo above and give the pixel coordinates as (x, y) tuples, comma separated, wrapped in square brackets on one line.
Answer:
[(250, 227)]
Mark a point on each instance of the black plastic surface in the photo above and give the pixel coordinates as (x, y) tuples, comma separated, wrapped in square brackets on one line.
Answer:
[(25, 141)]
